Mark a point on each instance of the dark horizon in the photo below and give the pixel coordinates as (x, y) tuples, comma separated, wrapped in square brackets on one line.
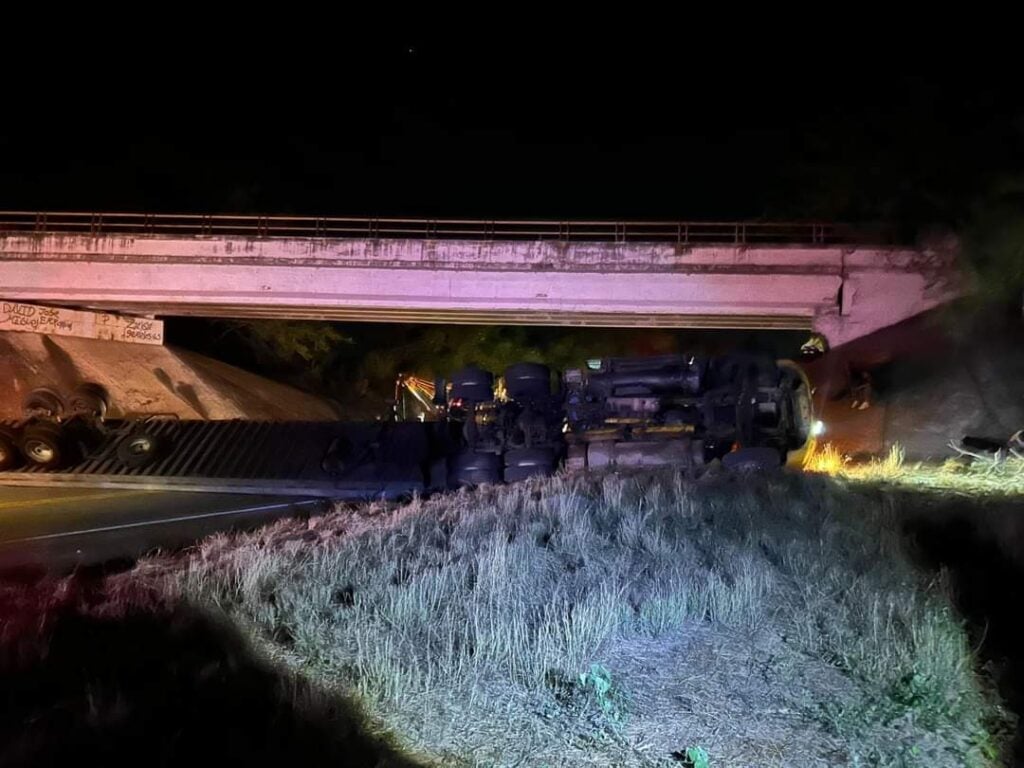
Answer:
[(421, 126)]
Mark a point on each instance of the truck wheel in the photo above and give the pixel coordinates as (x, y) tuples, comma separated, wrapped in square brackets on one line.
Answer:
[(472, 384), (10, 456), (525, 381), (752, 460), (89, 399), (43, 401), (522, 463), (44, 445), (139, 449), (472, 468)]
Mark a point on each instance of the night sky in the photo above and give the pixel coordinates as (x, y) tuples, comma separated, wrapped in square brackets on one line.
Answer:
[(683, 124)]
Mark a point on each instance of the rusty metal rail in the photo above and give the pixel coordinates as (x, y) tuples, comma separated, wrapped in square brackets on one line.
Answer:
[(202, 225)]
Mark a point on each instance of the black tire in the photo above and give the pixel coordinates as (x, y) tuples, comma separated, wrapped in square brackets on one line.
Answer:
[(10, 453), (528, 381), (752, 460), (472, 468), (44, 401), (89, 399), (45, 445), (802, 413), (140, 449), (522, 463), (474, 385)]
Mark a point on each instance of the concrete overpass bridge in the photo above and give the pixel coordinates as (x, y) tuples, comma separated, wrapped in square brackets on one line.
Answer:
[(597, 273)]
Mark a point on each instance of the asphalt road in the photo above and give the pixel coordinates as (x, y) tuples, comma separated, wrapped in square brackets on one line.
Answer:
[(57, 528)]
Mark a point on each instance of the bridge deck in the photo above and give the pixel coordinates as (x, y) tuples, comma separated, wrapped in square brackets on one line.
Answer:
[(839, 281)]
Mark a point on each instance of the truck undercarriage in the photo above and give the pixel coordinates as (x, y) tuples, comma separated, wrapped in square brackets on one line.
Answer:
[(745, 410)]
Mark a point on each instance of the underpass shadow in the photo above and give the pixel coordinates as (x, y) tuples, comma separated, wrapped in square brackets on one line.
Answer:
[(63, 364), (184, 392), (188, 393), (160, 686), (981, 546)]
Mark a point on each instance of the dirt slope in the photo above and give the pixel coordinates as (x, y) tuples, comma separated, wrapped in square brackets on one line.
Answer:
[(936, 380), (146, 379)]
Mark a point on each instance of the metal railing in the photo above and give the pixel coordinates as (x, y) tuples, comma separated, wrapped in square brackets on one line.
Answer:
[(199, 225)]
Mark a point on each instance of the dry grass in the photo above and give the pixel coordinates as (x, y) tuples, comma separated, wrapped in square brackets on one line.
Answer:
[(1003, 475), (773, 621)]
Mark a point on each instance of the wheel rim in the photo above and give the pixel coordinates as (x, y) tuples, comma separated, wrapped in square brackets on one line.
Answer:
[(140, 446), (40, 452)]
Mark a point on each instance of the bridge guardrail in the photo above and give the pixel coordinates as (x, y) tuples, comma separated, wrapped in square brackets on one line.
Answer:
[(680, 232)]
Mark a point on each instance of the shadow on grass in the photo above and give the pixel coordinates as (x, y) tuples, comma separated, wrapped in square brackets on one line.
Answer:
[(981, 545), (158, 686)]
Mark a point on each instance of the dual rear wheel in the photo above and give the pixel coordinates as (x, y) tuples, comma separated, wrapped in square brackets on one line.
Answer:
[(471, 468), (47, 440), (60, 429), (88, 399), (523, 381), (51, 445), (43, 444)]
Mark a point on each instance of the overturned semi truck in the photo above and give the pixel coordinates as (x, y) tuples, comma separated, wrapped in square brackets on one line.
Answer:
[(746, 410), (749, 411)]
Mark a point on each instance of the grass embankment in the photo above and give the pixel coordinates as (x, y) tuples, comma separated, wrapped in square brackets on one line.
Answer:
[(967, 475), (623, 620), (775, 619)]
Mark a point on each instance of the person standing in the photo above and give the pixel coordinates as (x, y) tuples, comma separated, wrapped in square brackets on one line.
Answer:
[(861, 389)]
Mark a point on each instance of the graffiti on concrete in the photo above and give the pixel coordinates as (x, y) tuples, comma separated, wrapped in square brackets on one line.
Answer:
[(60, 321)]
